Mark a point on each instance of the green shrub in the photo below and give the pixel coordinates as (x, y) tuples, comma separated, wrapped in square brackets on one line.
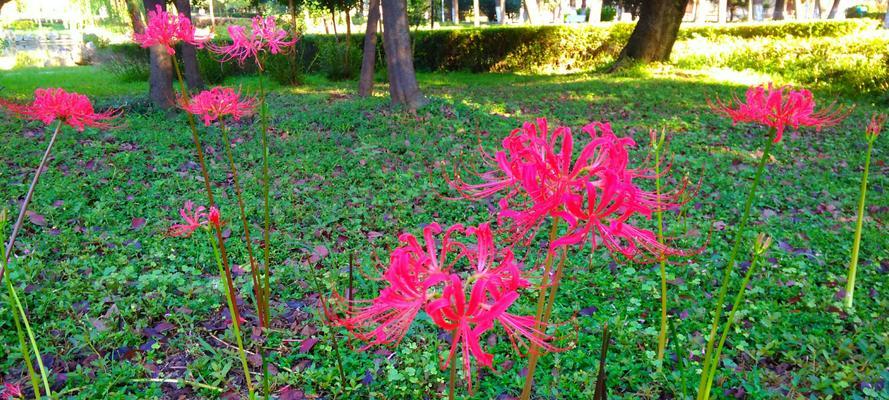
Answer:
[(22, 25), (214, 72), (339, 62), (284, 69), (608, 13)]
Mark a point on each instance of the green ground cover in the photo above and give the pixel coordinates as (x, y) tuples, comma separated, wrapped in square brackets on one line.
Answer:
[(115, 302)]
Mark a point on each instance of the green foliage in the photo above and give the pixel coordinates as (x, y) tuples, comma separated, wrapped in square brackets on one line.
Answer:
[(608, 13), (333, 57), (22, 25)]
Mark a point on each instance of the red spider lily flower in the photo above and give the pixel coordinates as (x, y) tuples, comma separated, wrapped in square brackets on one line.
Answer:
[(217, 103), (497, 268), (165, 29), (264, 37), (11, 391), (72, 109), (194, 219), (413, 269), (214, 218), (779, 107), (874, 126)]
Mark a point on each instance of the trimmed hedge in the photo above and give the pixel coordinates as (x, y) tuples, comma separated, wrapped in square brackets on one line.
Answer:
[(538, 49)]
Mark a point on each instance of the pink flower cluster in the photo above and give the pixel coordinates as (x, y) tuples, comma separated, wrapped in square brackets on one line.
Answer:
[(538, 175), (195, 219), (53, 104), (465, 288), (11, 391), (166, 30), (779, 107), (217, 103), (264, 37)]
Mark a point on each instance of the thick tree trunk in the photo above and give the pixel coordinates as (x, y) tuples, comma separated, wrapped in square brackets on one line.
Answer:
[(135, 16), (475, 13), (366, 82), (653, 37), (595, 11), (723, 11), (778, 14), (835, 10), (189, 53), (400, 64), (160, 79)]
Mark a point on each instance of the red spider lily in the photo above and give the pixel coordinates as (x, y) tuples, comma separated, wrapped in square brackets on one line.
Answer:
[(425, 277), (216, 103), (11, 391), (194, 219), (73, 109), (412, 270), (214, 218), (166, 30), (264, 37), (771, 106), (874, 126)]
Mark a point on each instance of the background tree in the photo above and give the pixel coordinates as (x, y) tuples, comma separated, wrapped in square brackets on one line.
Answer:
[(188, 52), (160, 68), (403, 87), (135, 14), (366, 82), (778, 14), (653, 37)]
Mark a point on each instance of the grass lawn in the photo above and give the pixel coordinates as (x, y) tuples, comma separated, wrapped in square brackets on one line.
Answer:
[(114, 302)]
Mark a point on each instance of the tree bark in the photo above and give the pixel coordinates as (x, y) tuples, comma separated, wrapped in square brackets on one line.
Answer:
[(798, 13), (778, 14), (699, 14), (531, 10), (366, 82), (160, 68), (475, 13), (886, 20), (431, 14), (189, 53), (347, 66), (399, 61), (653, 37), (501, 18), (212, 16), (834, 9), (455, 11), (135, 16), (723, 11)]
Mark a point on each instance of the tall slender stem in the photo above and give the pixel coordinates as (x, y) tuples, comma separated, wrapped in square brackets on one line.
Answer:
[(333, 342), (739, 234), (662, 335), (200, 152), (254, 268), (452, 381), (728, 324), (23, 345), (21, 218), (234, 316), (263, 116), (853, 263), (534, 352)]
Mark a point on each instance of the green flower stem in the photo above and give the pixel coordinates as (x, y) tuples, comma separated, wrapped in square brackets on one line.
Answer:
[(254, 268), (21, 218), (534, 352), (853, 264), (662, 335), (728, 324), (266, 286), (739, 235), (234, 316), (34, 347), (23, 345), (452, 381), (200, 152)]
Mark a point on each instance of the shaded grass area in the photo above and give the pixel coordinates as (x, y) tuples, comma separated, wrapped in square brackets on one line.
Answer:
[(115, 301)]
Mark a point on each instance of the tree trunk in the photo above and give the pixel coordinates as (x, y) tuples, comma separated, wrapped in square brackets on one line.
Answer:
[(798, 13), (653, 37), (366, 82), (347, 66), (501, 18), (212, 16), (160, 79), (834, 9), (189, 53), (779, 10), (886, 20), (455, 11), (757, 10), (699, 15), (135, 16), (400, 64), (475, 13), (749, 10), (723, 11), (336, 36), (431, 14)]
